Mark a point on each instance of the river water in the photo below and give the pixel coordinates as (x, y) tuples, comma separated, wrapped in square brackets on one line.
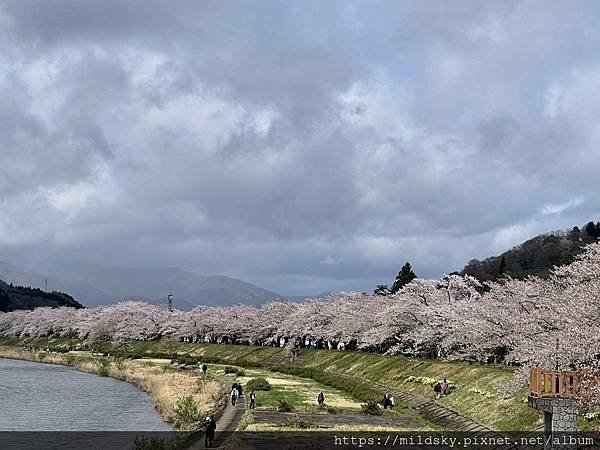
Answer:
[(46, 397)]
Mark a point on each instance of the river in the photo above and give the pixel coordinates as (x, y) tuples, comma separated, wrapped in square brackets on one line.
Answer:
[(46, 397)]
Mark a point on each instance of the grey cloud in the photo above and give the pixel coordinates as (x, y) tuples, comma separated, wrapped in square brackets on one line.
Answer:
[(305, 147)]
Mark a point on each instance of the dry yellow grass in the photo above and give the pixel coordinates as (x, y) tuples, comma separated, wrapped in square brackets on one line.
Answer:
[(165, 386), (282, 381)]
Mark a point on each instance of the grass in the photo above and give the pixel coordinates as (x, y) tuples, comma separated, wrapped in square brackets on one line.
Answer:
[(234, 370), (474, 385), (371, 409), (258, 384), (300, 393)]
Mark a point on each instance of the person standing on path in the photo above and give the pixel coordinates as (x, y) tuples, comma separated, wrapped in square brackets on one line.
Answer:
[(234, 396), (211, 426), (321, 398), (252, 400)]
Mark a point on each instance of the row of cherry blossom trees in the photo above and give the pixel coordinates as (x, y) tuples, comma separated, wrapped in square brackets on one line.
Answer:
[(552, 323)]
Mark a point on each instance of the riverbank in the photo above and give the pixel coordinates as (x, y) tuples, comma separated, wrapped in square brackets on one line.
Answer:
[(165, 384), (475, 391)]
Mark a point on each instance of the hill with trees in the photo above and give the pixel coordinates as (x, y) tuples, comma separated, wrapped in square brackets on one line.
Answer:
[(22, 297), (536, 256)]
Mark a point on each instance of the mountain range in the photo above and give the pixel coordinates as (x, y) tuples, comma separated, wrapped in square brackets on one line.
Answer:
[(94, 285)]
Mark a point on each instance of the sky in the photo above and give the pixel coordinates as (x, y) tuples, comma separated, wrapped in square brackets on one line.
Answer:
[(302, 146)]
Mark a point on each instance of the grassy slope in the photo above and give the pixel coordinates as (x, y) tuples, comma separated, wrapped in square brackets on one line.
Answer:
[(475, 385), (474, 391)]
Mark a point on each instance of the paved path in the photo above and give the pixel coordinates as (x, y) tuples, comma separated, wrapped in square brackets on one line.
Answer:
[(229, 421), (226, 425)]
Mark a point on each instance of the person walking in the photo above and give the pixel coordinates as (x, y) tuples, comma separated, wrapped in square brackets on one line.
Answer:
[(204, 368), (252, 400), (386, 401), (391, 401), (239, 389), (211, 426), (234, 396), (321, 398)]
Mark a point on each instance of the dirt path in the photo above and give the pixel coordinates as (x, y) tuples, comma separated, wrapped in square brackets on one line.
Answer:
[(330, 420)]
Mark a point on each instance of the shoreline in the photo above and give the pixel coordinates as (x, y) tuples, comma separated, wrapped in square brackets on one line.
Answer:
[(150, 377)]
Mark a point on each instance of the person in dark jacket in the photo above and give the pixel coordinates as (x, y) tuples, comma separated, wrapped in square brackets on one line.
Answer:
[(252, 400), (321, 398), (211, 426)]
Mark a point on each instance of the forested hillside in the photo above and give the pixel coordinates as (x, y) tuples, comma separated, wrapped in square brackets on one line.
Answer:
[(536, 256), (21, 297)]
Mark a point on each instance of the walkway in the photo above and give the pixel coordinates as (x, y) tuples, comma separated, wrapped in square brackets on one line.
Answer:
[(229, 421), (226, 425)]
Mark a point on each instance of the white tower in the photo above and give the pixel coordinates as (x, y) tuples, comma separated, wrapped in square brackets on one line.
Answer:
[(170, 301)]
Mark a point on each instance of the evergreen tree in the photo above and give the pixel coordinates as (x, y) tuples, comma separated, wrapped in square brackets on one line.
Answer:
[(591, 229), (381, 289), (502, 268), (405, 276)]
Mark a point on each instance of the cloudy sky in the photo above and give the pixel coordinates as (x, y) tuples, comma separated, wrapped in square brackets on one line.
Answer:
[(302, 146)]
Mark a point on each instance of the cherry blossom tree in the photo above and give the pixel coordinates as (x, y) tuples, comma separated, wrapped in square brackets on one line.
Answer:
[(549, 323)]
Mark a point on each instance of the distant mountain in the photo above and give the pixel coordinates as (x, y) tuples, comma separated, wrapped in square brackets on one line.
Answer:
[(21, 297), (537, 256), (97, 285)]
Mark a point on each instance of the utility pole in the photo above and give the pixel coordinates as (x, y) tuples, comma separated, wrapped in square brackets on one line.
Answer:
[(557, 354)]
